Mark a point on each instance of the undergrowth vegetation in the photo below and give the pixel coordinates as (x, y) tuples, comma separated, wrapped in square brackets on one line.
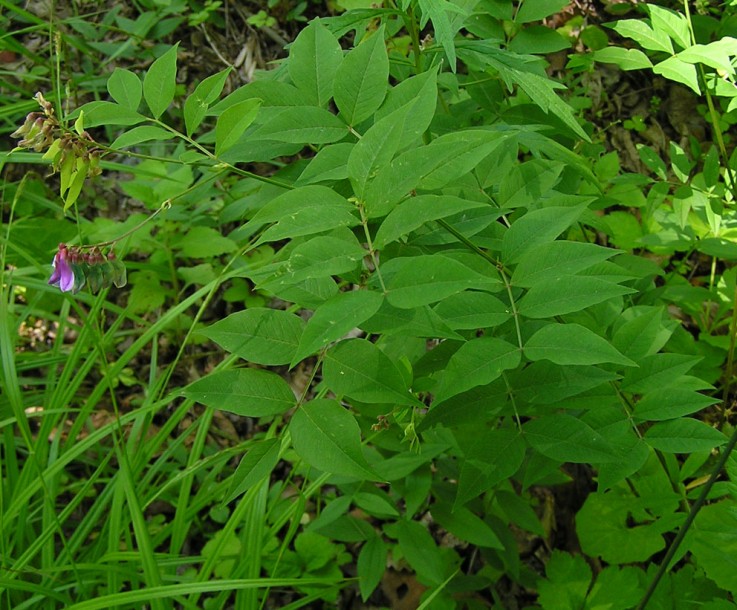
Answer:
[(414, 304)]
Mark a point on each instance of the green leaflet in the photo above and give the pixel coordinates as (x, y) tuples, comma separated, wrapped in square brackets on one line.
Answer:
[(412, 282), (477, 362), (314, 59), (359, 369), (159, 84), (572, 344), (259, 335), (255, 466), (361, 80), (335, 318), (567, 439), (567, 293), (125, 88), (247, 392), (327, 437)]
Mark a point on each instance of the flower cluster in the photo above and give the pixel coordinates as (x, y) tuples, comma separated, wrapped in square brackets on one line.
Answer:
[(67, 151), (74, 268), (37, 132)]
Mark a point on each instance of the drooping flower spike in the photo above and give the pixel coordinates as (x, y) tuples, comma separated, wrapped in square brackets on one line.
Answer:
[(74, 268)]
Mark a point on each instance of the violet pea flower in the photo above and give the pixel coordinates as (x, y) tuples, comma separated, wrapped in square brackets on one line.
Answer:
[(63, 276)]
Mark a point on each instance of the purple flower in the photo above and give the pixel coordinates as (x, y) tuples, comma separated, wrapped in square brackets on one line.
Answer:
[(63, 276)]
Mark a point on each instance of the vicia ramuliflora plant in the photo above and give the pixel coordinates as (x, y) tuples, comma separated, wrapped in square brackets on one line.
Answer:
[(445, 334)]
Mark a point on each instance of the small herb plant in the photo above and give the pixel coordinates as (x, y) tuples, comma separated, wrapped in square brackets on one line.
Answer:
[(446, 302)]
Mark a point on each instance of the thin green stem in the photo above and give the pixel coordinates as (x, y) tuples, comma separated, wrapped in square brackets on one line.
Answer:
[(500, 268), (372, 250)]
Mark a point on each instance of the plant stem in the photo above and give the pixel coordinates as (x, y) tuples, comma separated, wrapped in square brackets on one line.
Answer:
[(663, 568)]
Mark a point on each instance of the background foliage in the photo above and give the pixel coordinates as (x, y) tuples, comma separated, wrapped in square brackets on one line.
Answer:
[(430, 314)]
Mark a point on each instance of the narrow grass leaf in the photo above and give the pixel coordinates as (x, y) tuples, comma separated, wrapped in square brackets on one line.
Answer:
[(327, 436)]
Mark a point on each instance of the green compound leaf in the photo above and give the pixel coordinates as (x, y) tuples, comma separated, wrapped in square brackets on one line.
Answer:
[(246, 392), (359, 369), (572, 344), (361, 81), (160, 82), (327, 436), (259, 335)]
